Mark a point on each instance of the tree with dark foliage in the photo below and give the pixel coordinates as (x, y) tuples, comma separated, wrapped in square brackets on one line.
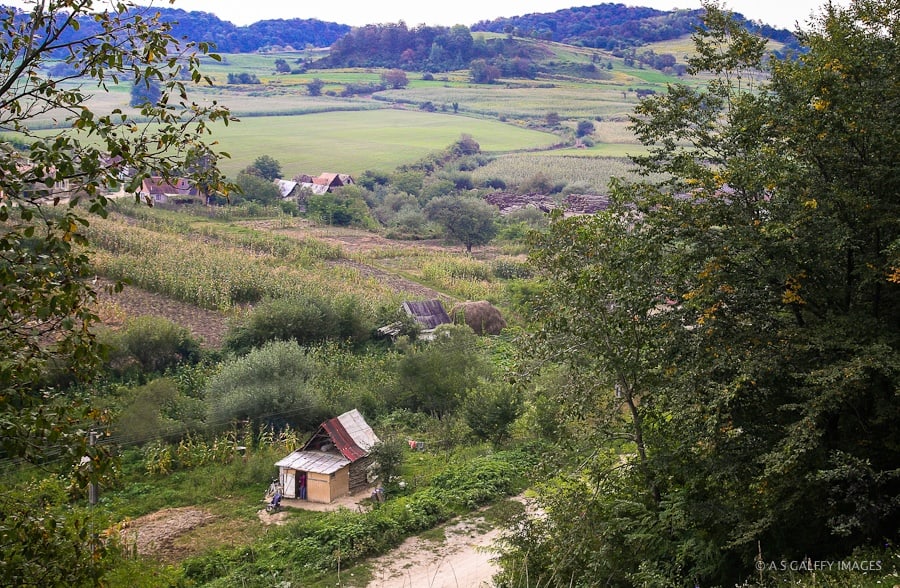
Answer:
[(737, 323), (47, 196)]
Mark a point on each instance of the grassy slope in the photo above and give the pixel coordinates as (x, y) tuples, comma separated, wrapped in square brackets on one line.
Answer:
[(352, 142)]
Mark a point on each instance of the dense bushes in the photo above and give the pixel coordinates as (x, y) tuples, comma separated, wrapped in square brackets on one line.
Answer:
[(305, 320), (148, 345), (268, 385), (434, 377)]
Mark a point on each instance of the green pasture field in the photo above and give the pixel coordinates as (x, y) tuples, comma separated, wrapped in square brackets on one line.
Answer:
[(352, 142), (683, 47), (589, 173), (569, 100)]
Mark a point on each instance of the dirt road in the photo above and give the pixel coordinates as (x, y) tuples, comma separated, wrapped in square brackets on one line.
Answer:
[(462, 560)]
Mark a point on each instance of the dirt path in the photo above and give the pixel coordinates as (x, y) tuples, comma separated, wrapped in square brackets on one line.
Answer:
[(394, 282), (462, 560), (155, 534)]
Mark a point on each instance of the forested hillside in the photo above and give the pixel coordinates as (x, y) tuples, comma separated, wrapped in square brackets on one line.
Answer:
[(610, 26), (602, 26), (227, 37), (430, 49)]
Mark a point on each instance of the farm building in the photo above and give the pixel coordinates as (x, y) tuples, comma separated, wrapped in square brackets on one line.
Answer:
[(428, 314), (159, 189), (323, 183), (333, 463), (287, 188)]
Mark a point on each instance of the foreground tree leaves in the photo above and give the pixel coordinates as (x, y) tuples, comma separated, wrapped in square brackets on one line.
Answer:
[(737, 324), (51, 182)]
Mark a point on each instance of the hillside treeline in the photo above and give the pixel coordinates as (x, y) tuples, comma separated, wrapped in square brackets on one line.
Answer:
[(437, 48), (427, 48), (611, 26), (226, 37)]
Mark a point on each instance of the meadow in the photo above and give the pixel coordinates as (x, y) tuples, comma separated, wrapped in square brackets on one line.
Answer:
[(352, 142)]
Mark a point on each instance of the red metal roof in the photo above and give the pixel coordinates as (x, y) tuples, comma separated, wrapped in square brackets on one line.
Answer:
[(350, 434), (343, 441)]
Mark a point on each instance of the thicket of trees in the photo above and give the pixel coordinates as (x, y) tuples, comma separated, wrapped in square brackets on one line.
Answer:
[(737, 324), (610, 26), (49, 193), (427, 48), (224, 36)]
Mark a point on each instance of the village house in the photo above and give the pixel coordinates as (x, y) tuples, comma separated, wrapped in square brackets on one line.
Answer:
[(333, 463), (322, 183), (159, 189)]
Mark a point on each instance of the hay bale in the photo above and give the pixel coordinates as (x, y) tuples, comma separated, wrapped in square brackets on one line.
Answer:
[(483, 317)]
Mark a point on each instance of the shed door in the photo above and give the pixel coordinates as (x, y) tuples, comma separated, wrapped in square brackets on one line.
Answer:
[(288, 482)]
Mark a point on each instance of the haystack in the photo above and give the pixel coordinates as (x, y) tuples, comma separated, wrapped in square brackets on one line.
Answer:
[(483, 317)]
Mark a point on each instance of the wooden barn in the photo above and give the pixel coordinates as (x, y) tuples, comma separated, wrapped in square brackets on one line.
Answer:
[(430, 314), (333, 463)]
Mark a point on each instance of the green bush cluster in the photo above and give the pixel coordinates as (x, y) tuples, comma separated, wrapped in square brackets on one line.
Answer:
[(149, 345), (304, 319), (506, 269)]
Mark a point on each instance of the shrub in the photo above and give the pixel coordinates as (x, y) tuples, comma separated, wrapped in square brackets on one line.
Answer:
[(461, 181), (410, 182), (141, 418), (369, 179), (152, 344), (388, 456), (269, 385), (410, 221), (490, 409), (437, 189), (539, 183), (304, 320), (480, 480), (585, 127), (257, 189), (342, 208), (507, 269), (495, 183), (434, 376)]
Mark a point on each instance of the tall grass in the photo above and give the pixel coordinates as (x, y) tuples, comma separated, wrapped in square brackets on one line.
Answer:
[(465, 278), (518, 168)]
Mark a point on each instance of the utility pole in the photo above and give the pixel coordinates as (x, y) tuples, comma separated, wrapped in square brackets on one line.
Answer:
[(92, 488)]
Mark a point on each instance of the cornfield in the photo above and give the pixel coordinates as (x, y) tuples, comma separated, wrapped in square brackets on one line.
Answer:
[(217, 272), (591, 172)]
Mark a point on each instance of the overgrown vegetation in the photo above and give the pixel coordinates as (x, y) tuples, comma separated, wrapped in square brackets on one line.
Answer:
[(696, 380)]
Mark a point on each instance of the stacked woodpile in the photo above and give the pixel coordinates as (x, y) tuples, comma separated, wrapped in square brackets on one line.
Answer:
[(508, 202), (359, 470), (585, 203)]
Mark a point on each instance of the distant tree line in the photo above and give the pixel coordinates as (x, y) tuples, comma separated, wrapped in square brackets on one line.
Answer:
[(611, 26), (428, 48), (604, 26), (224, 36)]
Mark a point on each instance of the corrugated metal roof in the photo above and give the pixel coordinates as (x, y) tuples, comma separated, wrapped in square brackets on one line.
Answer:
[(357, 427), (318, 462), (428, 313), (285, 187), (351, 434)]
